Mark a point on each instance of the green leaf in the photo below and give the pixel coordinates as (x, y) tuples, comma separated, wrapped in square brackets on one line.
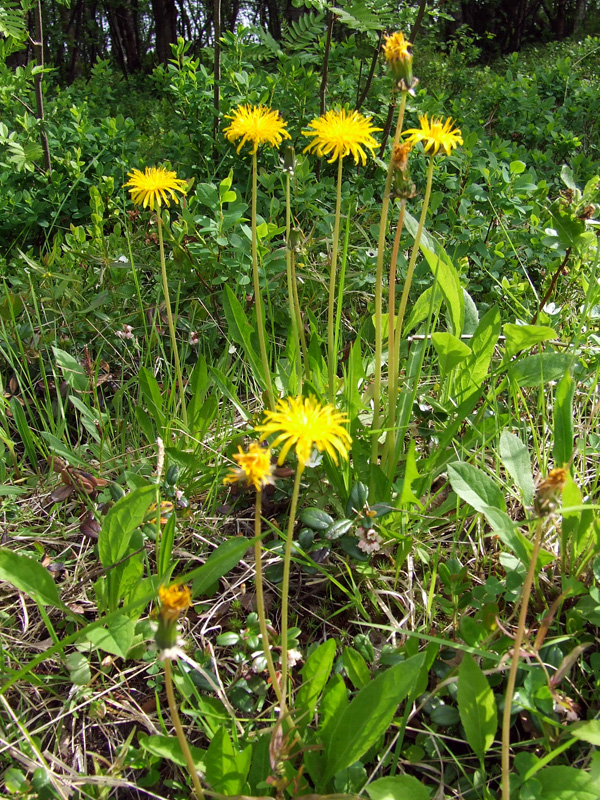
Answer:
[(168, 747), (368, 715), (586, 731), (79, 669), (515, 458), (152, 396), (241, 332), (448, 280), (567, 783), (72, 371), (24, 429), (427, 302), (475, 487), (524, 337), (116, 638), (563, 421), (476, 706), (451, 351), (356, 668), (471, 374), (315, 519), (540, 369), (224, 558), (121, 521), (30, 577), (359, 495), (315, 674), (400, 787), (226, 768)]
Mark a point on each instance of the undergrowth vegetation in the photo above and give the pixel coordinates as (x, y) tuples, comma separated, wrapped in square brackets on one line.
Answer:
[(299, 432)]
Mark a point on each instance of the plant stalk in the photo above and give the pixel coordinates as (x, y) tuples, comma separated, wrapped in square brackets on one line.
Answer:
[(332, 354), (165, 283), (514, 666), (260, 598), (385, 204), (260, 319), (285, 586), (181, 737)]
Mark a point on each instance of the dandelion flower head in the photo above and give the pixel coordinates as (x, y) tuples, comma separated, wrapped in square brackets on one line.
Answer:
[(342, 133), (154, 186), (304, 423), (396, 47), (435, 134), (548, 492), (174, 600), (254, 467), (257, 125)]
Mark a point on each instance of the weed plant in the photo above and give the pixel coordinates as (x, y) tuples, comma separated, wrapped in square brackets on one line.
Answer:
[(273, 525)]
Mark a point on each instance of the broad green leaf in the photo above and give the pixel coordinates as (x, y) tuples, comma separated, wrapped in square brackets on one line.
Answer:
[(168, 747), (563, 421), (116, 638), (224, 558), (427, 302), (451, 351), (510, 535), (72, 371), (121, 521), (588, 731), (79, 669), (30, 577), (476, 706), (448, 280), (475, 487), (332, 705), (471, 314), (368, 715), (241, 332), (540, 369), (400, 787), (315, 519), (226, 768), (315, 674), (524, 337), (471, 374), (411, 474), (516, 461), (567, 783), (356, 668)]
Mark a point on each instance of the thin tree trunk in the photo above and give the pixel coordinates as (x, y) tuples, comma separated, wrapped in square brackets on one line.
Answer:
[(217, 73), (367, 86), (38, 46)]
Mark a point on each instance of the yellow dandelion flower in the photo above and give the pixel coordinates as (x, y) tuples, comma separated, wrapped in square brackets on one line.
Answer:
[(396, 50), (342, 133), (396, 47), (548, 493), (258, 125), (254, 467), (305, 423), (174, 600), (435, 134), (154, 186)]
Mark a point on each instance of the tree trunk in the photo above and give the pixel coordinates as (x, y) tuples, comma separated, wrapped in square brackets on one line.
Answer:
[(165, 24)]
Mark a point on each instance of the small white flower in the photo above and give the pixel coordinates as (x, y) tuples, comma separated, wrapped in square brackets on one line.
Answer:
[(369, 540)]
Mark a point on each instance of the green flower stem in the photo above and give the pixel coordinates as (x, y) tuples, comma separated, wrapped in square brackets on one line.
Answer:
[(397, 335), (260, 598), (285, 586), (332, 355), (514, 665), (181, 737), (385, 204), (294, 310), (299, 316), (163, 268), (258, 302), (393, 369)]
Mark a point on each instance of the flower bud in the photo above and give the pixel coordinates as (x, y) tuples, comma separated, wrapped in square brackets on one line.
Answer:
[(402, 184), (397, 52)]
